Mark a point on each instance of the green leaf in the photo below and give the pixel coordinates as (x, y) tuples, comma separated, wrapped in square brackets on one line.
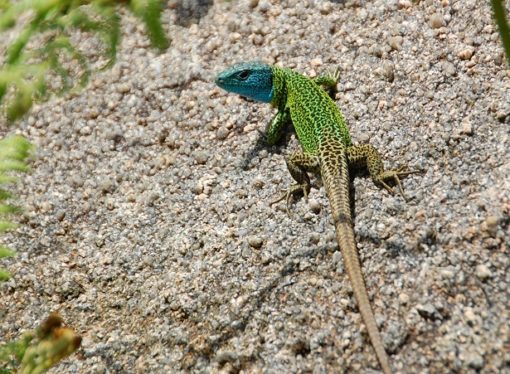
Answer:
[(15, 147), (109, 29), (6, 252), (12, 164), (6, 225), (21, 104), (55, 19), (150, 12), (153, 21), (498, 9), (4, 275), (9, 209), (9, 15), (4, 4), (3, 90), (14, 51), (41, 88), (4, 195), (5, 179)]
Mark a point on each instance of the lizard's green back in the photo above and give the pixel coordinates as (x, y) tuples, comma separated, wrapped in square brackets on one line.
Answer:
[(314, 114)]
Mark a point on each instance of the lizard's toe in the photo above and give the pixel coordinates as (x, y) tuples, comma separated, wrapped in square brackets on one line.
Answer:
[(289, 194)]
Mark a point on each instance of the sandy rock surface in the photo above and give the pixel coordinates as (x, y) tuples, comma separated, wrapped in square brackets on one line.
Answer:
[(148, 225)]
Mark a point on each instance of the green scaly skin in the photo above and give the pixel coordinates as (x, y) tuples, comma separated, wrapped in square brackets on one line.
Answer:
[(327, 149)]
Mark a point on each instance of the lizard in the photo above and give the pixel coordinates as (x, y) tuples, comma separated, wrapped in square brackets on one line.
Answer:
[(327, 149)]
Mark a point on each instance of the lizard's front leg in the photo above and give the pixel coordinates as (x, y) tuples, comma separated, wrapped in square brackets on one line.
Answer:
[(298, 164), (328, 81), (274, 129), (365, 155), (272, 134)]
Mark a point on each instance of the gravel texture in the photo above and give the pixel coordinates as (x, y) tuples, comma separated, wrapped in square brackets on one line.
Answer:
[(148, 225)]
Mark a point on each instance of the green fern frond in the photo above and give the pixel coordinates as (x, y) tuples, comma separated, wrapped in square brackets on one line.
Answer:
[(14, 150), (499, 12), (37, 351), (23, 77), (6, 225), (6, 252), (150, 12)]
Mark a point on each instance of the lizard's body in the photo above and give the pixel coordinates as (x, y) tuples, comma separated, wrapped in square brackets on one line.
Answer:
[(327, 148)]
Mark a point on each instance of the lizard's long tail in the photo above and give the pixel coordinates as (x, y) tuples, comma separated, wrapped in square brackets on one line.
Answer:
[(335, 175)]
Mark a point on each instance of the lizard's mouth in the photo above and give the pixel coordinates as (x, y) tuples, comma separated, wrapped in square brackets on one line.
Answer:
[(219, 81)]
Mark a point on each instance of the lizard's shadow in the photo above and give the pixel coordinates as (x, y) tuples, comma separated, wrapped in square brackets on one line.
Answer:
[(261, 144)]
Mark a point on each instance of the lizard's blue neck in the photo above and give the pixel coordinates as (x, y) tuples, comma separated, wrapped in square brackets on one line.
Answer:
[(265, 96), (279, 90)]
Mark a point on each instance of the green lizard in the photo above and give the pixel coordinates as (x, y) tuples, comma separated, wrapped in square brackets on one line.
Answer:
[(327, 149)]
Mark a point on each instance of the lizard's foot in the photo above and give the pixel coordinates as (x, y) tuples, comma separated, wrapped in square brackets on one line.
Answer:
[(395, 176), (329, 80), (287, 195), (335, 75)]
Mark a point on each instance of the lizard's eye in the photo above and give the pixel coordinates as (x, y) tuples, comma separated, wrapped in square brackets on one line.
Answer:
[(243, 74)]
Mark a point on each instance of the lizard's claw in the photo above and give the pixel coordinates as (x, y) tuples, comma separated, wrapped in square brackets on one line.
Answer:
[(395, 175), (287, 195), (329, 80), (335, 74)]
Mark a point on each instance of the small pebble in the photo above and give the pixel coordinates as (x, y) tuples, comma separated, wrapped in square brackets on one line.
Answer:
[(448, 68), (255, 242), (316, 62), (491, 224), (470, 315), (264, 6), (200, 157), (427, 311), (315, 238), (403, 298), (395, 42), (198, 188), (106, 185), (60, 215), (314, 205), (404, 4), (436, 21), (389, 71), (472, 359), (483, 272), (467, 127), (222, 133), (258, 183), (465, 54)]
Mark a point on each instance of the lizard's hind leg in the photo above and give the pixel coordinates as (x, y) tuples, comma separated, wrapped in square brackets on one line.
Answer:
[(298, 164), (365, 155)]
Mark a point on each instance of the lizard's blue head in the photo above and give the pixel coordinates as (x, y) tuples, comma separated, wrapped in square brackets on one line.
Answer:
[(250, 79)]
